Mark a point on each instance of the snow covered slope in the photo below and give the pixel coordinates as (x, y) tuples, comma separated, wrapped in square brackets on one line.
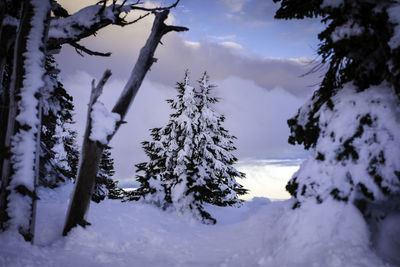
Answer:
[(261, 233)]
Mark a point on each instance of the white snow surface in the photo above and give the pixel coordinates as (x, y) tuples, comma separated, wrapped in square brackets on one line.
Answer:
[(103, 123), (71, 27), (338, 125), (346, 31), (260, 233)]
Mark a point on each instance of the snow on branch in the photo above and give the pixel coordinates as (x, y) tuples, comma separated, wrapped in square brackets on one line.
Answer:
[(103, 123), (87, 21)]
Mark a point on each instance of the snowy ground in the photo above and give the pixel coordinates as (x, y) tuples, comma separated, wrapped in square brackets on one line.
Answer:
[(261, 233)]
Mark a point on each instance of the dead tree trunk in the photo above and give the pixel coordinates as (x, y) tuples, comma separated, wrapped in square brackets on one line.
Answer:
[(89, 165), (90, 159)]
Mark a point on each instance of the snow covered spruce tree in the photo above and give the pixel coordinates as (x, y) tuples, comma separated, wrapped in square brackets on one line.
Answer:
[(190, 160), (351, 123), (30, 30), (59, 152), (105, 186)]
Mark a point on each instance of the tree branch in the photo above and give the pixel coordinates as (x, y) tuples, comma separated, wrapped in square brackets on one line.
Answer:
[(80, 48), (72, 29), (143, 63)]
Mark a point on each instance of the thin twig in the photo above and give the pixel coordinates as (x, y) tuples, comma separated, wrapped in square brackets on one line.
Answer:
[(80, 48)]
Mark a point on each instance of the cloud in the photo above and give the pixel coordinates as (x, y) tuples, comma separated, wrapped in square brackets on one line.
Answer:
[(255, 116), (231, 45), (266, 178), (235, 5), (222, 37), (177, 55), (257, 94), (221, 60)]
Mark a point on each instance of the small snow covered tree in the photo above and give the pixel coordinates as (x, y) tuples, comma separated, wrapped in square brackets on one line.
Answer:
[(170, 173), (105, 186), (190, 158), (59, 152), (351, 122)]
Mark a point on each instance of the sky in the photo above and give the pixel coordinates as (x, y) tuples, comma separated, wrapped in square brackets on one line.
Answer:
[(257, 63)]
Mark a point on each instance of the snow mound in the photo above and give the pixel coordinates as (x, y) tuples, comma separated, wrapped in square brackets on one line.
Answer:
[(260, 233), (356, 155)]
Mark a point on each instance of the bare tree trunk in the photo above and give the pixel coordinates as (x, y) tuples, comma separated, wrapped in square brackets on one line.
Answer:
[(90, 159), (89, 165)]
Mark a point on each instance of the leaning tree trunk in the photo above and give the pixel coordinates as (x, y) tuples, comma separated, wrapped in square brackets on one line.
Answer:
[(91, 151), (90, 159)]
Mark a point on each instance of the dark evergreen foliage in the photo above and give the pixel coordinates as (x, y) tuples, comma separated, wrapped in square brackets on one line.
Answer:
[(59, 152), (365, 59), (105, 186)]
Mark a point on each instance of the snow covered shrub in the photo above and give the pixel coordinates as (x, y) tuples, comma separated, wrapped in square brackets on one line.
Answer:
[(351, 123), (357, 153), (190, 159)]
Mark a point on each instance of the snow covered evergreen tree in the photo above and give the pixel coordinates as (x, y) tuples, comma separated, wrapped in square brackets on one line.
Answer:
[(351, 122), (216, 177), (170, 171), (59, 152), (190, 160), (105, 186)]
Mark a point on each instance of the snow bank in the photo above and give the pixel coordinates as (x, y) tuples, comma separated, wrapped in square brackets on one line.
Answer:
[(260, 233), (357, 153), (329, 234)]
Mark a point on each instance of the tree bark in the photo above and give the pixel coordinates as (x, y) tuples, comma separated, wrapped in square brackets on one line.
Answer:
[(90, 159), (91, 152)]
